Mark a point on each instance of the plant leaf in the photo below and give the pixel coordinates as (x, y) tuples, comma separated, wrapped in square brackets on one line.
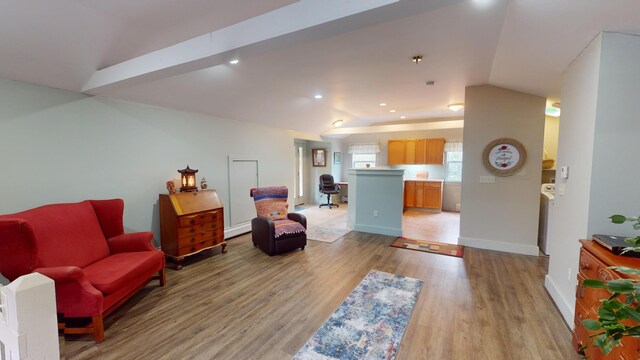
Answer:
[(606, 314), (604, 343), (618, 219), (594, 283), (592, 325), (631, 313), (622, 286), (633, 240), (612, 304), (626, 270)]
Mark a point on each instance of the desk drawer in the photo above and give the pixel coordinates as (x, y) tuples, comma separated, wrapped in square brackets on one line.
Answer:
[(196, 238), (195, 247), (197, 229), (190, 220), (589, 265)]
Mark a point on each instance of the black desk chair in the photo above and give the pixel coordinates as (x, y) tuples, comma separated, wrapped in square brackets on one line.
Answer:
[(328, 187)]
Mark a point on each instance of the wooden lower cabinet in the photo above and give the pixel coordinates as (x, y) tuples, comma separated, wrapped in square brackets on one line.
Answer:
[(423, 195), (191, 222), (594, 263), (409, 193), (433, 195)]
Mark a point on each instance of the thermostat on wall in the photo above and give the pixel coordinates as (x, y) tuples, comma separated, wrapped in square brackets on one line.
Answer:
[(564, 172)]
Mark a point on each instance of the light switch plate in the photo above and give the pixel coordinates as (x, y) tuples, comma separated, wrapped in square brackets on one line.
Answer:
[(564, 172), (487, 179)]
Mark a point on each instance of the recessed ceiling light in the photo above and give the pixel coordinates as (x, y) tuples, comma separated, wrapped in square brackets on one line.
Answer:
[(456, 107), (338, 123), (392, 110), (383, 104), (318, 96), (234, 61), (403, 117)]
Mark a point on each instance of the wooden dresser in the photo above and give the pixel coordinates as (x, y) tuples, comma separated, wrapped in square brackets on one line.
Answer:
[(190, 222), (594, 260)]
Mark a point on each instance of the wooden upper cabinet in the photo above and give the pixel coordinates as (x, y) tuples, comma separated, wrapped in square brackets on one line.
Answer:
[(421, 151), (410, 152), (435, 151), (396, 152)]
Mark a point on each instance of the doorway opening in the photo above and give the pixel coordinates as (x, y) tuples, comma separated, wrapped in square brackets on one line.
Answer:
[(298, 181)]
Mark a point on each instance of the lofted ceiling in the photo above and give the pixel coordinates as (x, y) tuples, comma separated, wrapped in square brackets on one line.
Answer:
[(355, 53)]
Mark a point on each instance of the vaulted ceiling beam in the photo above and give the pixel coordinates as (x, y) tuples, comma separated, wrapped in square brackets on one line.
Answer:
[(280, 27)]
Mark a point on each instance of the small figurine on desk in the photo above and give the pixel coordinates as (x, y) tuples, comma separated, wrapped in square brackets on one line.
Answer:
[(203, 184), (171, 187)]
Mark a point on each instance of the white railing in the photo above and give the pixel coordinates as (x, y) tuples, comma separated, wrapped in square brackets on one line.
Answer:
[(28, 322)]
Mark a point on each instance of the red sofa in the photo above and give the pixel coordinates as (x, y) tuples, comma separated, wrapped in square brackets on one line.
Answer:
[(83, 248)]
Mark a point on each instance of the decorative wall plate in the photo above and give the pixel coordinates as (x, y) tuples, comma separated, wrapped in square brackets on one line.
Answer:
[(504, 157)]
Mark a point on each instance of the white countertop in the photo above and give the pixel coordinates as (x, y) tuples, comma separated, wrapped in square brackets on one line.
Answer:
[(423, 179)]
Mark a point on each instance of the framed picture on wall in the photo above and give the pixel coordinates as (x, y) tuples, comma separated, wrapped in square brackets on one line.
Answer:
[(319, 157), (337, 158)]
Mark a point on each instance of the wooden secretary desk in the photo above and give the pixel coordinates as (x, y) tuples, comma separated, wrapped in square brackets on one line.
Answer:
[(191, 222)]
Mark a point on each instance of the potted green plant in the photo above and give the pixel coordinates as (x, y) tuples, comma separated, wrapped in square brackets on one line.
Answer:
[(619, 315)]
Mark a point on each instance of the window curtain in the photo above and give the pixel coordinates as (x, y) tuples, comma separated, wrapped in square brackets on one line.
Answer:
[(364, 148), (451, 146)]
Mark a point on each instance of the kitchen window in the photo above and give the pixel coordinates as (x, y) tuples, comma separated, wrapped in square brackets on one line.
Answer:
[(363, 154), (453, 161), (361, 160)]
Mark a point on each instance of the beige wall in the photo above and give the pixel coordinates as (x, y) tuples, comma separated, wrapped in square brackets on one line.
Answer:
[(551, 128), (598, 141), (503, 215)]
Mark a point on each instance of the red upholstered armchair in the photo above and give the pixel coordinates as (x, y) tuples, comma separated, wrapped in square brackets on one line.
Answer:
[(83, 248)]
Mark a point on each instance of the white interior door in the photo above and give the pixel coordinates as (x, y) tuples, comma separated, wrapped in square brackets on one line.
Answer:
[(298, 195), (243, 175)]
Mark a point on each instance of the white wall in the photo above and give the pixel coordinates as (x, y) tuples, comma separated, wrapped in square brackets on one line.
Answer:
[(615, 169), (382, 212), (60, 146), (598, 135), (551, 130), (504, 215)]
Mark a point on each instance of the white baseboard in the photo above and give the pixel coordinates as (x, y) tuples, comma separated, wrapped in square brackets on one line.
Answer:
[(566, 308), (237, 230), (378, 230), (499, 246)]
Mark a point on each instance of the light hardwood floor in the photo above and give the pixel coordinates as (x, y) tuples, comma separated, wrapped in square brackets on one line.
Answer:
[(247, 305), (442, 227)]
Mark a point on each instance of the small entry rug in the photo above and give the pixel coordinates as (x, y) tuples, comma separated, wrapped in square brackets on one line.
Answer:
[(370, 323), (325, 233), (429, 246)]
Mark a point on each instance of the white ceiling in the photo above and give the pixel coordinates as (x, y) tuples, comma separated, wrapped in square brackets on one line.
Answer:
[(355, 59)]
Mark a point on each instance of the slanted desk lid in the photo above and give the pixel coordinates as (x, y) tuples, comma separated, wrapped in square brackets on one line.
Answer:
[(195, 201)]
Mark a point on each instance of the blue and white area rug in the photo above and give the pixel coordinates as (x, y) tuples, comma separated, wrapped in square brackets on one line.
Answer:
[(370, 323)]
